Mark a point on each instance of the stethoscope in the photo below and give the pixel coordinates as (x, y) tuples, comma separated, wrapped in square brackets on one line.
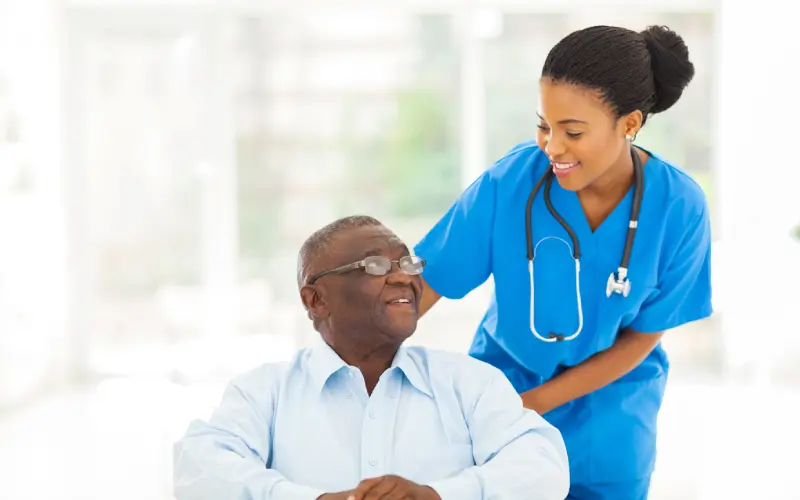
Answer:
[(618, 282)]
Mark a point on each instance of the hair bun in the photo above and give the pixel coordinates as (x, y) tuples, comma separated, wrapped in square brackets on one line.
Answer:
[(669, 60)]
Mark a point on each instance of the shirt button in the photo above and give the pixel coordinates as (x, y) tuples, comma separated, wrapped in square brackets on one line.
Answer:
[(373, 463), (349, 395), (372, 415)]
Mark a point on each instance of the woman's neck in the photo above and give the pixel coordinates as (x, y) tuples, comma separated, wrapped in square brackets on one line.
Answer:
[(601, 197), (612, 186)]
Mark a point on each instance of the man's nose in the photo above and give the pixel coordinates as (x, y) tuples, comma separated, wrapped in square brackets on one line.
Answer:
[(397, 276)]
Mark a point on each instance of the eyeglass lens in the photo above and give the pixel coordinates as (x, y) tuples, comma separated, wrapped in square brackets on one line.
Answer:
[(379, 266)]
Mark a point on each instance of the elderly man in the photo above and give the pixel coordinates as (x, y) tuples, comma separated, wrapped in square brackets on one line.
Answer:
[(358, 416)]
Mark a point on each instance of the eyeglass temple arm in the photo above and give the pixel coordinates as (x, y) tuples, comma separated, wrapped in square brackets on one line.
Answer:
[(338, 270)]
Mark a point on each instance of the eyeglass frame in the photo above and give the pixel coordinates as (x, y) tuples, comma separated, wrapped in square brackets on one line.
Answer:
[(361, 264)]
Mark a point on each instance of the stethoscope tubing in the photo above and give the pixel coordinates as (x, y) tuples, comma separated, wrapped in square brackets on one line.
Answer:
[(630, 236)]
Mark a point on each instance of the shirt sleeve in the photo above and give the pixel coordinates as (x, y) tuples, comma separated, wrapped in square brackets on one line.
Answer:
[(457, 250), (227, 456), (518, 454), (683, 292)]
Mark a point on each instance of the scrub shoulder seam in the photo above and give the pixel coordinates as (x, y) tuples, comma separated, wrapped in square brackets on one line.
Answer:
[(503, 164)]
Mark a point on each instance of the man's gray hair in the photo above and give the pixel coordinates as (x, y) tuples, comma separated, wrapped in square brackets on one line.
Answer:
[(318, 243)]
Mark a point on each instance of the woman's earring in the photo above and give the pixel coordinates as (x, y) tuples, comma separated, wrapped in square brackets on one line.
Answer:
[(629, 137)]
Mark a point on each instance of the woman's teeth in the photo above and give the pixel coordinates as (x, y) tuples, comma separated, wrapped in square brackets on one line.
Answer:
[(565, 166)]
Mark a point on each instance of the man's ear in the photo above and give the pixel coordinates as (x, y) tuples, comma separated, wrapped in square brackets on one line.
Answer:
[(314, 301)]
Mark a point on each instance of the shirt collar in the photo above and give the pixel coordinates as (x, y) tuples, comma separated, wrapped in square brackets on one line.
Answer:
[(410, 366), (323, 362)]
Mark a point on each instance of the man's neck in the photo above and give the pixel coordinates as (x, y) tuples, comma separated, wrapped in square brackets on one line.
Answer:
[(372, 360)]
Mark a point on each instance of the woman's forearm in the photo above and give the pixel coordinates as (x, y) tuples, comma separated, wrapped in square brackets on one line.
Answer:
[(429, 298), (628, 351)]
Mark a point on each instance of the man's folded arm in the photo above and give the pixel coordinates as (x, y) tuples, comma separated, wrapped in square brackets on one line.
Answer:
[(518, 453), (227, 456)]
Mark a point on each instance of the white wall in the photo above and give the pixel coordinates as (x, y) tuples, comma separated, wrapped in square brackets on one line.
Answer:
[(759, 182), (33, 340)]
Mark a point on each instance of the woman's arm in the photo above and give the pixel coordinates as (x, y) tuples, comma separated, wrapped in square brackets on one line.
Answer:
[(458, 248), (429, 298), (627, 352)]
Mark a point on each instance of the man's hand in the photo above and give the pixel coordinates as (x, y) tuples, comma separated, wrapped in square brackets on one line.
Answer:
[(344, 495), (392, 488), (385, 488)]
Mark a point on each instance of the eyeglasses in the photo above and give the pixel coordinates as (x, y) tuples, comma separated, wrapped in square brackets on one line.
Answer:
[(378, 266)]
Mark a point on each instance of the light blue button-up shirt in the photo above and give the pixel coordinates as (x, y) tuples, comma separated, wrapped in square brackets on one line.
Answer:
[(294, 431)]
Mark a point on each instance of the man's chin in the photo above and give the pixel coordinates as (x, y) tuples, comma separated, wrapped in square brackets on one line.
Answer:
[(401, 330)]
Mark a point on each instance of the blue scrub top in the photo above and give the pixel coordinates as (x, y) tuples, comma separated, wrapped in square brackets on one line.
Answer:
[(611, 433)]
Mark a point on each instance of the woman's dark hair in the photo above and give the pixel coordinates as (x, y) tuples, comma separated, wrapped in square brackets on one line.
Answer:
[(646, 71)]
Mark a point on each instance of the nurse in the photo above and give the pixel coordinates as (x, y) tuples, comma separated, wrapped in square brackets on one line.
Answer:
[(586, 351)]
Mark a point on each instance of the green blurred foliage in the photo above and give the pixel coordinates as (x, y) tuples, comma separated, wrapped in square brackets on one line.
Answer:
[(259, 205), (420, 169), (412, 169)]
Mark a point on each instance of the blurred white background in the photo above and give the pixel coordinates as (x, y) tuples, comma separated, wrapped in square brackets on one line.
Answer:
[(162, 161)]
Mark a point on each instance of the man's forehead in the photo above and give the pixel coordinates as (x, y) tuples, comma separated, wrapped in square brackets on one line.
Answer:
[(362, 240)]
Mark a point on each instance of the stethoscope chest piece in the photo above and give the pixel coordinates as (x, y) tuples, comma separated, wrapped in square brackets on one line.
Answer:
[(618, 283)]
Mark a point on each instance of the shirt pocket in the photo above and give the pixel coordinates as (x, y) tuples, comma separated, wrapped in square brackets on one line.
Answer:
[(308, 449), (625, 309), (616, 312), (430, 463), (433, 441)]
